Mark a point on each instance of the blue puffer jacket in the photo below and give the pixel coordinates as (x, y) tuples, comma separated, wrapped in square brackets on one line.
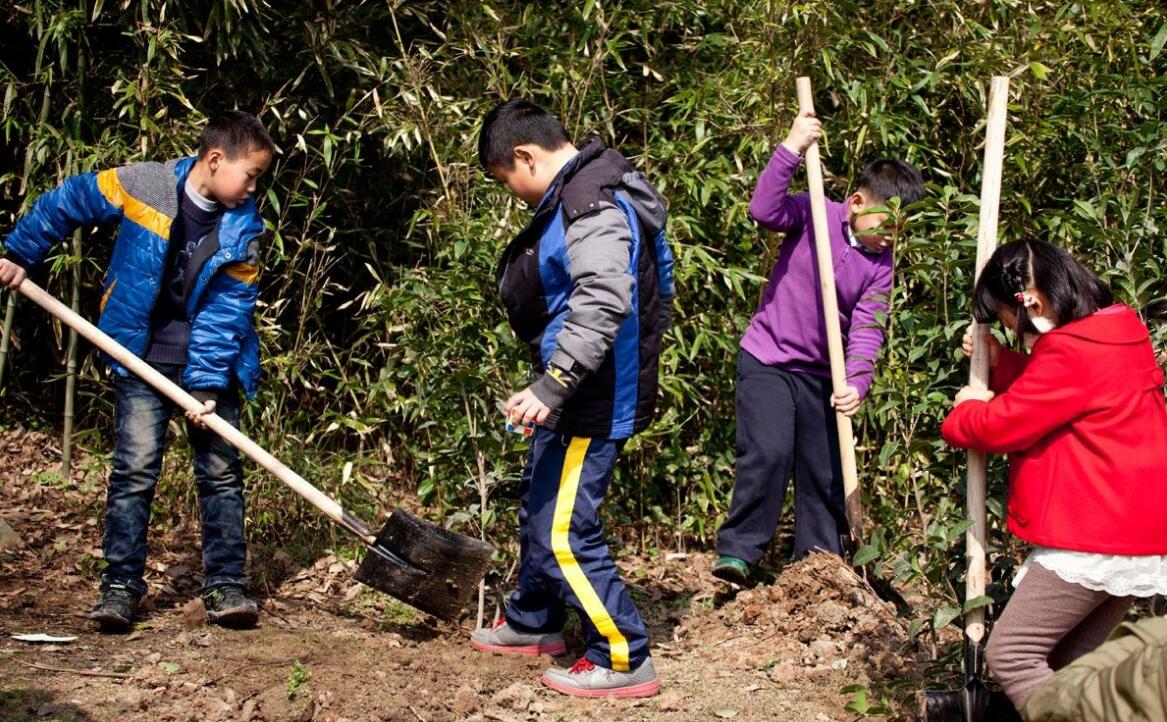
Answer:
[(144, 198)]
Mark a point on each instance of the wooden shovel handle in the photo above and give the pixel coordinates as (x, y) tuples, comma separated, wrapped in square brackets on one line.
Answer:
[(188, 403), (822, 241), (974, 583)]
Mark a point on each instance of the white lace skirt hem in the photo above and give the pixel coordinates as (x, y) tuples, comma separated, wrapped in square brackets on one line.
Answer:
[(1120, 576)]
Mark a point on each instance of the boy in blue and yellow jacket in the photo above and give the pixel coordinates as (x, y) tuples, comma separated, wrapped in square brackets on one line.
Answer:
[(180, 292), (588, 285)]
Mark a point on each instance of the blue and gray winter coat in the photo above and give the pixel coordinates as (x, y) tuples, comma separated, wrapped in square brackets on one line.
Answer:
[(220, 278), (589, 285)]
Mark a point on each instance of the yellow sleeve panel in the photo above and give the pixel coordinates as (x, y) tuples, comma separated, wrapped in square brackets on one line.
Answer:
[(132, 208)]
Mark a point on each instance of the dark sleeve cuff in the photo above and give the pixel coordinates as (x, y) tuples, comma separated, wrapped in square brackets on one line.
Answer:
[(556, 385), (666, 314), (10, 256)]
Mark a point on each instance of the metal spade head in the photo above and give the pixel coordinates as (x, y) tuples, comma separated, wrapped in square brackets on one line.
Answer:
[(974, 703), (424, 565)]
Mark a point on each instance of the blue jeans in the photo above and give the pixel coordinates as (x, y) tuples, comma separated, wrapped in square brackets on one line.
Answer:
[(141, 417)]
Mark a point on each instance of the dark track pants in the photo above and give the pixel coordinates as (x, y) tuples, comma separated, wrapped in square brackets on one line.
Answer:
[(563, 558), (785, 424)]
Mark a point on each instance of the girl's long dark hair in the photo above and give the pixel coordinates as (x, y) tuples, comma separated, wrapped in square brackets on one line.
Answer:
[(1073, 291)]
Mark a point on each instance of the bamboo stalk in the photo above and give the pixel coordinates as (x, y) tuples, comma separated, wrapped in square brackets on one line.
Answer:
[(5, 339), (71, 367), (75, 305), (822, 241), (974, 620)]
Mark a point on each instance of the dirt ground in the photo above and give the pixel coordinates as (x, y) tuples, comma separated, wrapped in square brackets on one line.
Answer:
[(328, 649)]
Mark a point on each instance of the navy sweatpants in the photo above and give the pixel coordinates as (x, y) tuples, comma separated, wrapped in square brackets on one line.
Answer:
[(563, 560), (785, 424)]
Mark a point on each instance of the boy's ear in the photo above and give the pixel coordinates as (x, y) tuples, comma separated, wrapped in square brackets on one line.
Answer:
[(524, 157), (212, 159), (856, 202)]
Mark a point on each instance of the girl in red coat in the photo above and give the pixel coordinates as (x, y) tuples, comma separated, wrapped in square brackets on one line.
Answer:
[(1083, 420)]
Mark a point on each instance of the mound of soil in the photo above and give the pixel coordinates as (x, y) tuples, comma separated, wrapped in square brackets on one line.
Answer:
[(818, 619)]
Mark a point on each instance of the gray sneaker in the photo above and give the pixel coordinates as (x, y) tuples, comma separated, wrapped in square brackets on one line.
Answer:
[(585, 679), (502, 639)]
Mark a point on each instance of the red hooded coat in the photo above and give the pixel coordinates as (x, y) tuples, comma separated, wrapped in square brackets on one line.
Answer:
[(1084, 423)]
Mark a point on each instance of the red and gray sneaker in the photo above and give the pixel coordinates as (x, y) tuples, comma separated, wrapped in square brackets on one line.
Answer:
[(502, 639), (585, 679)]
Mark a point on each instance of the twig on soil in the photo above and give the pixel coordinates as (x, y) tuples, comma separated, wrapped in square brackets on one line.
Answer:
[(416, 714), (267, 609), (82, 672)]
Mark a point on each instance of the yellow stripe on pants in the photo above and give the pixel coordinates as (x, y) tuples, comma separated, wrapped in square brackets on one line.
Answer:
[(576, 579)]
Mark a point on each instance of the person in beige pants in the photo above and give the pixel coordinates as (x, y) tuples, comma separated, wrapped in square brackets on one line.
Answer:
[(1124, 679)]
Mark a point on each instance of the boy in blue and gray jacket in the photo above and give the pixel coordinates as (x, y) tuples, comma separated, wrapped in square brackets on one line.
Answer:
[(588, 284), (180, 292)]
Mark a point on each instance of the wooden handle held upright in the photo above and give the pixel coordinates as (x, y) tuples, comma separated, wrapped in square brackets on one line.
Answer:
[(826, 267), (188, 403), (974, 583)]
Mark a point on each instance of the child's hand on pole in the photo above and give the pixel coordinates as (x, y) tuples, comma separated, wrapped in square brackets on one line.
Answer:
[(846, 402), (966, 345), (11, 274), (968, 393), (804, 131), (526, 408), (197, 419)]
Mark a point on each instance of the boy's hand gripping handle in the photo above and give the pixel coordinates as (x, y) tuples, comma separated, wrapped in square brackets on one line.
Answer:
[(822, 241)]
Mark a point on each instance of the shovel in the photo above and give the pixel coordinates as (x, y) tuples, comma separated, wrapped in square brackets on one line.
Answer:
[(976, 703), (852, 503), (420, 563)]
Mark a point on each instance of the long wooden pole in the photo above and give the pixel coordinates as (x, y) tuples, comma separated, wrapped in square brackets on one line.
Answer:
[(826, 265), (974, 583), (188, 403)]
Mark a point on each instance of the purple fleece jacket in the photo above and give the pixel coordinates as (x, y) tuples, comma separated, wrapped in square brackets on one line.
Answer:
[(789, 330)]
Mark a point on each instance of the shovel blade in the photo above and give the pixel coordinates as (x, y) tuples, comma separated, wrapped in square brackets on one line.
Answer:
[(425, 565), (975, 703)]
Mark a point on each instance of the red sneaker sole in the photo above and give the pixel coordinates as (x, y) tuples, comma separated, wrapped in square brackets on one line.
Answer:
[(533, 650), (647, 689)]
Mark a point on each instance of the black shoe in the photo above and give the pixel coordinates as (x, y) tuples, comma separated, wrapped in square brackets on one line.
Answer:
[(116, 608), (228, 606)]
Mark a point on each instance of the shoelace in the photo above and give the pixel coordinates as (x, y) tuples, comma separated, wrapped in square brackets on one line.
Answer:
[(581, 666)]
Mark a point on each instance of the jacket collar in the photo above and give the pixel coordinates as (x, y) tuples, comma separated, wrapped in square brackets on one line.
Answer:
[(1115, 324), (239, 224)]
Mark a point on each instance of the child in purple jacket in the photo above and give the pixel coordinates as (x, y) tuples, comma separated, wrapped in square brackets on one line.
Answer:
[(784, 403)]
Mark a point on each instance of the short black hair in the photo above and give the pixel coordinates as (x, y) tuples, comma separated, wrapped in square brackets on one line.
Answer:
[(512, 124), (888, 178), (1073, 291), (235, 133)]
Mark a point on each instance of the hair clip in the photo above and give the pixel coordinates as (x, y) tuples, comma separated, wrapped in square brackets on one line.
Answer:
[(1025, 299)]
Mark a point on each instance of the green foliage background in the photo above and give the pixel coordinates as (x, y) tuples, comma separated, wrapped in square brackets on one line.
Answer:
[(386, 354)]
